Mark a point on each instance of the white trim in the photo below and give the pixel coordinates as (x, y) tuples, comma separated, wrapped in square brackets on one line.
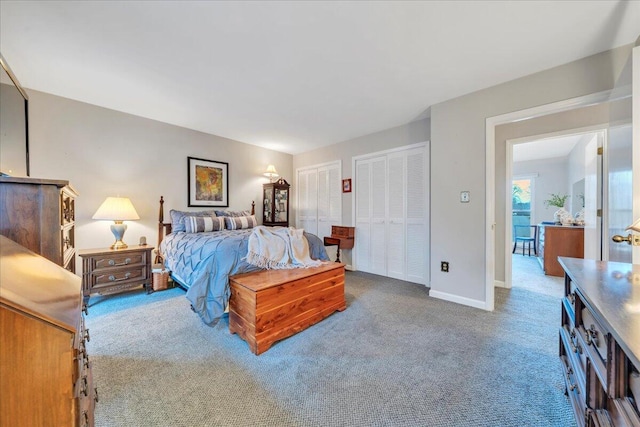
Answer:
[(457, 299), (501, 284), (390, 150), (490, 137)]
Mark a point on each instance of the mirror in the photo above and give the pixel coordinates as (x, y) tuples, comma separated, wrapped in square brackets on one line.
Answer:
[(14, 124)]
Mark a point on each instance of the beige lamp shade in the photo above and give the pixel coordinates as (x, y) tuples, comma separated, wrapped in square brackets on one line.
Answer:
[(117, 209), (271, 172)]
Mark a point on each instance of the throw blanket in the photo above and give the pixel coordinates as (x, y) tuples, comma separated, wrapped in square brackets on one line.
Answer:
[(279, 248)]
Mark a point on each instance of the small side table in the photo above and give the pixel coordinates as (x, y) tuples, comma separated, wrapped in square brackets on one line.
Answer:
[(333, 241), (108, 271)]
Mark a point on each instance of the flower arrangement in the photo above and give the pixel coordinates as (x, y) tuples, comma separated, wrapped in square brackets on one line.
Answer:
[(556, 200)]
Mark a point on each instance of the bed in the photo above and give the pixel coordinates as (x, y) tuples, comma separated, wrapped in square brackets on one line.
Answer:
[(202, 261)]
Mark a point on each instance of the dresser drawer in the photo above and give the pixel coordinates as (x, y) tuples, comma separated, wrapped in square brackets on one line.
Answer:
[(594, 334), (110, 261), (121, 275)]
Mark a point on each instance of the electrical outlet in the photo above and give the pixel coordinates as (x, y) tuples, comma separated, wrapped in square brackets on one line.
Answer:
[(444, 266)]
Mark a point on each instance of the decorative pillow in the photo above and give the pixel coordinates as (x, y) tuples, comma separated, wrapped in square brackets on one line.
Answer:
[(239, 222), (202, 224), (177, 218), (233, 213)]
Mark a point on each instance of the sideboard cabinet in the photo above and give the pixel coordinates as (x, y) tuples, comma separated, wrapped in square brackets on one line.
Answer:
[(558, 240), (39, 214), (599, 341), (45, 373)]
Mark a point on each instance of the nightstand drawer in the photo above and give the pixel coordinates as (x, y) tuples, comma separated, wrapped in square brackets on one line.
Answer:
[(117, 260), (114, 276)]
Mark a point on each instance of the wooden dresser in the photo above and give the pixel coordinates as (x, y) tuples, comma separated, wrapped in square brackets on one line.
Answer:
[(45, 373), (39, 214), (600, 341), (558, 240)]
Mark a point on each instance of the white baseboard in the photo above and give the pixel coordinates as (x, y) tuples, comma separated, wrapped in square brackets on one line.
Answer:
[(349, 267), (458, 299), (500, 284)]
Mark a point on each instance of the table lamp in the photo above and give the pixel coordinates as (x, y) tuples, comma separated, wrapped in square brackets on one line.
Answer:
[(117, 209), (271, 172)]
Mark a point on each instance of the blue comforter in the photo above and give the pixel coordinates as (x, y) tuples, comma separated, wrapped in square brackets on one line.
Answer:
[(203, 262)]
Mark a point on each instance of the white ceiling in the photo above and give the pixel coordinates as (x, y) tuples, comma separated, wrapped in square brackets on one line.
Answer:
[(549, 148), (292, 76)]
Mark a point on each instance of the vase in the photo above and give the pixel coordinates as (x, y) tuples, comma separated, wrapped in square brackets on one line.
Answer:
[(562, 216)]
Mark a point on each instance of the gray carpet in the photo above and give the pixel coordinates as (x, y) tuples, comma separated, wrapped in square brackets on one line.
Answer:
[(395, 357)]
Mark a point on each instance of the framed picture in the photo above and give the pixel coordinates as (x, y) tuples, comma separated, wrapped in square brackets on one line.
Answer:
[(346, 185), (208, 182)]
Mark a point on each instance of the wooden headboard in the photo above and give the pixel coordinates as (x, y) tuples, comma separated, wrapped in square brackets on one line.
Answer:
[(164, 228)]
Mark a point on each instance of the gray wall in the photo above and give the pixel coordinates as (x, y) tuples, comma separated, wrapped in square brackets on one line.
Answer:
[(106, 153), (458, 163), (411, 133)]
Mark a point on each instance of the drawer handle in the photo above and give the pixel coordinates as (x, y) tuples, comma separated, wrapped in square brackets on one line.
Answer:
[(85, 308), (571, 386), (95, 393), (86, 335), (85, 418), (592, 336), (84, 387), (113, 263), (114, 279)]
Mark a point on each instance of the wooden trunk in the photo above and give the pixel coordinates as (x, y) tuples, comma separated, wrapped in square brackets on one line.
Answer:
[(270, 305)]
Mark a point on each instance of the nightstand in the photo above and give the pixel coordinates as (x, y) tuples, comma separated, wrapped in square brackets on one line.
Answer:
[(107, 271)]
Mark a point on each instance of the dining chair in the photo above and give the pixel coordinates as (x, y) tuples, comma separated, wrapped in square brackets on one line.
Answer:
[(526, 234)]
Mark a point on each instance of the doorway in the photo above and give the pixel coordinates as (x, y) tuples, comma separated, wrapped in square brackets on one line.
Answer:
[(545, 169)]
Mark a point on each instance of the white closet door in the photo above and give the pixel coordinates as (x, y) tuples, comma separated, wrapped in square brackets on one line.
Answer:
[(378, 216), (396, 259), (363, 215), (307, 217), (417, 214), (392, 214), (329, 199)]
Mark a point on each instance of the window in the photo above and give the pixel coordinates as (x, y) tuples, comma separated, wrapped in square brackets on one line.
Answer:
[(521, 196)]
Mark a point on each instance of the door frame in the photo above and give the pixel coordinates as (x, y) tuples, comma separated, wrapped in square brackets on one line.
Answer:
[(490, 168), (508, 224)]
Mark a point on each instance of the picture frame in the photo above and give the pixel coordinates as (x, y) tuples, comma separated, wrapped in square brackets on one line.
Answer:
[(346, 185), (208, 182)]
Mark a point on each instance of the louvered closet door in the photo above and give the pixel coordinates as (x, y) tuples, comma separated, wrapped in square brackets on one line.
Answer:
[(396, 260), (379, 216), (392, 215), (363, 215), (417, 231), (329, 199), (308, 201)]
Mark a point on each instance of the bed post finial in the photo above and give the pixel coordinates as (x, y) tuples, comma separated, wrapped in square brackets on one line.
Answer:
[(253, 207), (161, 213)]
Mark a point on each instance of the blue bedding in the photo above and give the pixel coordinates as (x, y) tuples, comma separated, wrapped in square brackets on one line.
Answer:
[(203, 262)]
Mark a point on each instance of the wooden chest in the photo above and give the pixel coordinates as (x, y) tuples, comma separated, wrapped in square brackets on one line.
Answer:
[(270, 305)]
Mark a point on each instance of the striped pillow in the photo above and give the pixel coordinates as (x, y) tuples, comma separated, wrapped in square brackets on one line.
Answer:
[(239, 222), (201, 224)]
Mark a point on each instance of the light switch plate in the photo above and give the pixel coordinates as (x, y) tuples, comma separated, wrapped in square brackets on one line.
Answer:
[(465, 196)]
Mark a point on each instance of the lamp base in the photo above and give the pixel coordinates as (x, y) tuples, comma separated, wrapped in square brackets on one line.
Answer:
[(119, 245), (118, 230)]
